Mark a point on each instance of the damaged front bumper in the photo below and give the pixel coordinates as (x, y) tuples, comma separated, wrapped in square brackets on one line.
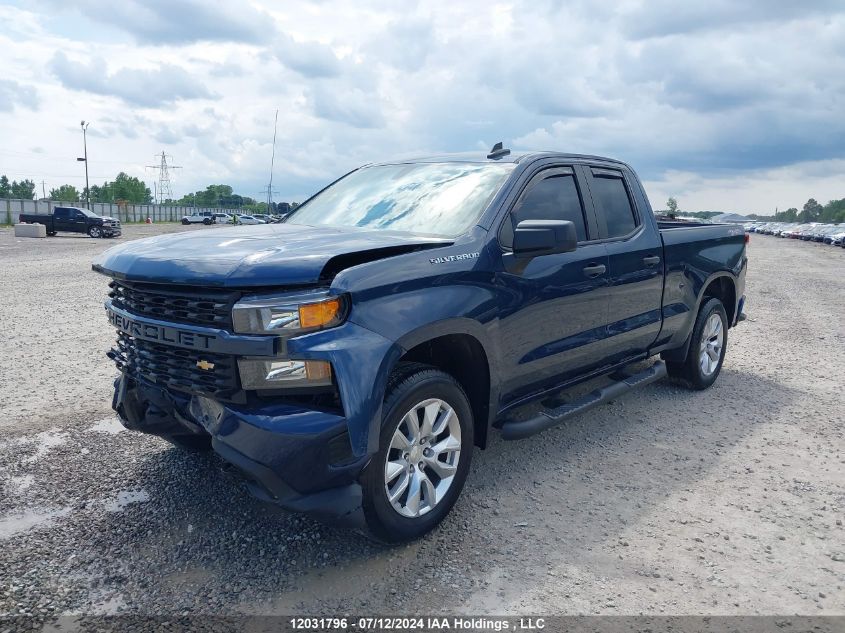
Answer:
[(291, 455)]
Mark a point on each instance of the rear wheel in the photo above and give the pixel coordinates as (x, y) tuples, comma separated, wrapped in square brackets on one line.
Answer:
[(425, 448), (95, 231), (707, 348), (51, 233), (185, 221)]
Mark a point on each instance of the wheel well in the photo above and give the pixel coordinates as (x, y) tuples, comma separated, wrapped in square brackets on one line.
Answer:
[(722, 288), (463, 357)]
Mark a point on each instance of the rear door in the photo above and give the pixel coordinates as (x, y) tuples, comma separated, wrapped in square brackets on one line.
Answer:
[(555, 313), (634, 249)]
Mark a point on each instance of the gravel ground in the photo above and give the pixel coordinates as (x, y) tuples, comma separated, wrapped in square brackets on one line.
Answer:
[(729, 501)]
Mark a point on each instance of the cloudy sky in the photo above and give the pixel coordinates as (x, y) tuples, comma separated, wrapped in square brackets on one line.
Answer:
[(726, 105)]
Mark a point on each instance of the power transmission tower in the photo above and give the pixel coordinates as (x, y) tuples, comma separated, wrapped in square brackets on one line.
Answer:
[(268, 193), (164, 190)]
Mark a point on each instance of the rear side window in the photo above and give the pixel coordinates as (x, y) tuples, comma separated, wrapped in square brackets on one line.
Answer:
[(61, 213), (610, 192), (555, 197)]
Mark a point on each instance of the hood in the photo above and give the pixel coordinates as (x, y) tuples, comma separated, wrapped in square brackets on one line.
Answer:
[(256, 255)]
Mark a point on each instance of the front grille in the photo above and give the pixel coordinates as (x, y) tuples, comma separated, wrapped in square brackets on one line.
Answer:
[(175, 367), (209, 307)]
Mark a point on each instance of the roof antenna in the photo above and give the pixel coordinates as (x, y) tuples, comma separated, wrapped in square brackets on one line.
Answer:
[(498, 151)]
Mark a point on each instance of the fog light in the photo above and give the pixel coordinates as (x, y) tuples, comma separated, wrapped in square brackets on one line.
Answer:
[(277, 374)]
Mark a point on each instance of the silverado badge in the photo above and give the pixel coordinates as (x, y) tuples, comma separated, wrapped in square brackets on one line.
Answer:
[(205, 365)]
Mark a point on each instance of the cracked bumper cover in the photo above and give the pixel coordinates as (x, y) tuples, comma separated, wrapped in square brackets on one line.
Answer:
[(290, 455)]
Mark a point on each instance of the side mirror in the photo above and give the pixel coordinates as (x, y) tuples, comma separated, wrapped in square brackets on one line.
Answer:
[(533, 238)]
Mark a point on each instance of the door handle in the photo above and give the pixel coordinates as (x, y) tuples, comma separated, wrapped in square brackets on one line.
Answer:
[(651, 260), (594, 270)]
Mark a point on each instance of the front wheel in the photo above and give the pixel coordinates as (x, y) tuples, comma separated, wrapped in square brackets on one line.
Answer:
[(95, 231), (425, 448), (707, 348), (207, 221)]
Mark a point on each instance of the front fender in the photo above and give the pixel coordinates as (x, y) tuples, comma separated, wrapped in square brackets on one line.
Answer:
[(362, 361)]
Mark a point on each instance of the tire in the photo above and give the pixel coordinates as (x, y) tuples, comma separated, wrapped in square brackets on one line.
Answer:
[(51, 233), (95, 231), (710, 339), (415, 388), (185, 221), (188, 442), (207, 221)]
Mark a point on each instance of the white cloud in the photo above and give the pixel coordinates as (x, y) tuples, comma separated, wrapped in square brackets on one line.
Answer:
[(176, 21), (310, 59), (14, 94), (144, 87), (757, 191)]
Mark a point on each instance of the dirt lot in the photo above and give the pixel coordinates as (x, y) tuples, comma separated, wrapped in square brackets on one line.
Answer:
[(729, 501)]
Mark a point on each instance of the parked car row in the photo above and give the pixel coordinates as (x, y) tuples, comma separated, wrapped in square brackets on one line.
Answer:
[(809, 232), (209, 217)]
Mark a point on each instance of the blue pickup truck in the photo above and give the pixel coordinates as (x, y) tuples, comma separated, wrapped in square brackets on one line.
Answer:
[(348, 360)]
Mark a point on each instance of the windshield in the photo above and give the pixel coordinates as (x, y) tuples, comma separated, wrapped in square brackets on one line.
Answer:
[(436, 198)]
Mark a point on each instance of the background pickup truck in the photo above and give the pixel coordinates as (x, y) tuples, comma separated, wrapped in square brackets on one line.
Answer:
[(74, 220), (348, 360)]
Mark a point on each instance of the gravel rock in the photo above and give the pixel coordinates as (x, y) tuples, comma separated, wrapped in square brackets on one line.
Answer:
[(96, 520)]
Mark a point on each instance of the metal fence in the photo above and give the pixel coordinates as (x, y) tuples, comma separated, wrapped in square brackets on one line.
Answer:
[(11, 208)]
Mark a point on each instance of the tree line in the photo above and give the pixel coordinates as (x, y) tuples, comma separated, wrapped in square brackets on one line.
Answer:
[(124, 188), (831, 213), (24, 189), (223, 196), (132, 190)]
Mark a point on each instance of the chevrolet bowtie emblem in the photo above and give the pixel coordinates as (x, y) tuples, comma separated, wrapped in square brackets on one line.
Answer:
[(205, 365)]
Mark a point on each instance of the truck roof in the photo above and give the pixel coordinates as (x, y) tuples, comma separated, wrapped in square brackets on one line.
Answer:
[(481, 157)]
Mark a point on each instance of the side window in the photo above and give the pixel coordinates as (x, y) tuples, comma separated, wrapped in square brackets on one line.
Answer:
[(609, 190), (555, 197), (60, 213)]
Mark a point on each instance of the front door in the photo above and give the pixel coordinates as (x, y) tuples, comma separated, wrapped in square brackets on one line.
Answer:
[(554, 317), (63, 219)]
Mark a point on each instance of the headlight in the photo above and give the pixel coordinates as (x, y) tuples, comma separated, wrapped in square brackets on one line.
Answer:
[(272, 373), (289, 314)]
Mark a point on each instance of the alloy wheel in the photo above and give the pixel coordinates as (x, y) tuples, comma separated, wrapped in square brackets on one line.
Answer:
[(712, 340), (422, 459)]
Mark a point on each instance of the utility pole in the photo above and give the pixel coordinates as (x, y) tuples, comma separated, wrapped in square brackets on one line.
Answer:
[(84, 126), (163, 177), (272, 160), (43, 190)]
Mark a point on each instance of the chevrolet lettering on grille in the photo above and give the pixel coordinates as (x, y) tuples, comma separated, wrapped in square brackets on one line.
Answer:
[(159, 333)]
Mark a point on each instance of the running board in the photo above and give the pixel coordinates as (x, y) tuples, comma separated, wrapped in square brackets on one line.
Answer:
[(516, 430)]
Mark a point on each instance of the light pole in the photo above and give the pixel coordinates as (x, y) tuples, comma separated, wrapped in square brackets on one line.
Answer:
[(85, 160)]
